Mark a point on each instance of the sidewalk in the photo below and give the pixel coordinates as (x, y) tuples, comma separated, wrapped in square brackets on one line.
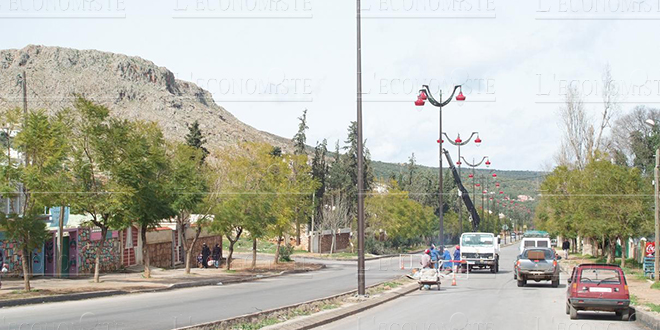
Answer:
[(47, 289)]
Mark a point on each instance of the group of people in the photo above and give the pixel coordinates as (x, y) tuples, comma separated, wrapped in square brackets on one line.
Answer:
[(433, 257), (203, 258)]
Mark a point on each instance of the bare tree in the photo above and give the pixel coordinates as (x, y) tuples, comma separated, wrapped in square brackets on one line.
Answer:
[(335, 216), (583, 139)]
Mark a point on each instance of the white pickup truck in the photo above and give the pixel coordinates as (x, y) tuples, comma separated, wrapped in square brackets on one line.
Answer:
[(481, 250)]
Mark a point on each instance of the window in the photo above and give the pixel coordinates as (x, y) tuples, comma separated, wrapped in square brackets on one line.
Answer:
[(600, 276), (542, 244), (530, 244)]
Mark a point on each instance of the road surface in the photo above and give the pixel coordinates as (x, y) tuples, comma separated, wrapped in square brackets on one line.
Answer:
[(484, 301), (183, 307)]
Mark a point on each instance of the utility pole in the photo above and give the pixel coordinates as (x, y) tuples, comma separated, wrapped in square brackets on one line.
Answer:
[(360, 179), (60, 243), (657, 215)]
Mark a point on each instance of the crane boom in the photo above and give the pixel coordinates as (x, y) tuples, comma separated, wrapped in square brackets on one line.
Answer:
[(464, 193)]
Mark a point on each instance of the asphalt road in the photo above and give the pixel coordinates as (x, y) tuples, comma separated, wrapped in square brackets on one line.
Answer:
[(484, 301), (183, 307)]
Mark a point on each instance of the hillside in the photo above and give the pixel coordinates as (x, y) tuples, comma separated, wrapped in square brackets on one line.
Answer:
[(512, 183), (130, 87)]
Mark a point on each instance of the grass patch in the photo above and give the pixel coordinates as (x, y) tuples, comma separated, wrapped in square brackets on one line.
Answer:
[(654, 307), (255, 326), (231, 271), (656, 286), (23, 291), (633, 299)]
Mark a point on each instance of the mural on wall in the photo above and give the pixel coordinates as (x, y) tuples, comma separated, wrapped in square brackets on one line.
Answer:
[(10, 255), (110, 255)]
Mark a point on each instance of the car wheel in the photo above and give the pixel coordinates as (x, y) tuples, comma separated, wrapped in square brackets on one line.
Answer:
[(555, 282), (573, 312), (515, 276), (568, 308), (520, 283), (625, 315)]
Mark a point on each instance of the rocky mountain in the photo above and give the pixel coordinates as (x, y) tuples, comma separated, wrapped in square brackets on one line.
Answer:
[(130, 87)]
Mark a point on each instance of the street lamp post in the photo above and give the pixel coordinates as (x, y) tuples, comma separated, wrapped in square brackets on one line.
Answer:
[(360, 178), (459, 143), (425, 94), (656, 186), (474, 165)]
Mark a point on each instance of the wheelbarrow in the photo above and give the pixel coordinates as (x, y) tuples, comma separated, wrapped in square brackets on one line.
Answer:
[(430, 277)]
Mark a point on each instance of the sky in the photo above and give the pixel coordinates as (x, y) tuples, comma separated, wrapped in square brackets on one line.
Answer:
[(266, 61)]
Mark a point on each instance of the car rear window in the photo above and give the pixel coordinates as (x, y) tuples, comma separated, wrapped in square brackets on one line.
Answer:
[(529, 244), (537, 254), (542, 244), (600, 276)]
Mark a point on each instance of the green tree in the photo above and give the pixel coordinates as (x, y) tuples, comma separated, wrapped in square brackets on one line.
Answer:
[(188, 180), (300, 139), (38, 181), (195, 138), (91, 181), (142, 167)]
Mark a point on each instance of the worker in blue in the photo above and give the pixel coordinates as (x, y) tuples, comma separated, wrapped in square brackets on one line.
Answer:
[(457, 256), (435, 256), (446, 256)]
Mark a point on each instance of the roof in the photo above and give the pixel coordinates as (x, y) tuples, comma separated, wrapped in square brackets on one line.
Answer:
[(599, 265)]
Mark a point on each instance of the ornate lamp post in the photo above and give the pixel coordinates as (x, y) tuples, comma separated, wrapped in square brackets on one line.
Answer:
[(459, 143), (424, 95)]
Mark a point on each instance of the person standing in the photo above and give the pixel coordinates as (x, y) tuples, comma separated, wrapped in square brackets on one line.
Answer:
[(4, 270), (206, 252), (435, 257), (566, 245), (446, 256), (216, 255), (457, 256), (426, 259)]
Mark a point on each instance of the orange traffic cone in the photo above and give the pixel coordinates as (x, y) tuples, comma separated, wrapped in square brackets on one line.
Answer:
[(453, 279), (402, 264)]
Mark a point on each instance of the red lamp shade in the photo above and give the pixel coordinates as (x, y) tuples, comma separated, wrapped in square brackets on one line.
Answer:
[(494, 175), (441, 141), (501, 192), (470, 176), (460, 97), (485, 192), (422, 96), (458, 140), (478, 185), (477, 141), (491, 198), (497, 185), (487, 162), (458, 163), (419, 102)]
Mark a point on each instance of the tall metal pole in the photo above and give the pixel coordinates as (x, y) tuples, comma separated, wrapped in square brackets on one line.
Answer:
[(360, 180), (657, 215), (460, 200), (441, 235)]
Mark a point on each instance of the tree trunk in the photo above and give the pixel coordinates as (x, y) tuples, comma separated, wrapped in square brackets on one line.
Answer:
[(231, 253), (297, 230), (26, 271), (624, 252), (254, 253), (611, 255), (334, 239), (99, 250), (277, 249), (145, 252), (190, 250)]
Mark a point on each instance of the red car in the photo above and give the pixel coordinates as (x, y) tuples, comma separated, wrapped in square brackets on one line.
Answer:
[(598, 287)]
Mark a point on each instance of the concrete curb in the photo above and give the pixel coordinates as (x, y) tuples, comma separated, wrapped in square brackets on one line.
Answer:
[(646, 318), (313, 321), (108, 293), (225, 323)]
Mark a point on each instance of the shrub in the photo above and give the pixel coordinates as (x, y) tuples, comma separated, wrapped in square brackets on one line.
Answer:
[(285, 252)]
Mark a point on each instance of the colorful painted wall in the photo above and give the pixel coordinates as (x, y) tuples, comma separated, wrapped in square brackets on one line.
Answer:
[(110, 252)]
